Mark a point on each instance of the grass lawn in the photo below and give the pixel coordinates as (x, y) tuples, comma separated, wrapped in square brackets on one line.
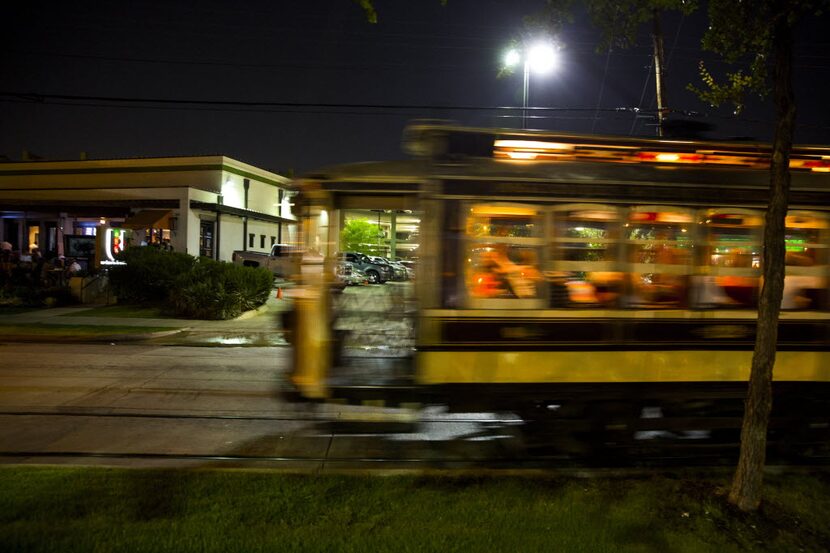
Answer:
[(78, 331), (15, 309), (83, 509), (122, 311)]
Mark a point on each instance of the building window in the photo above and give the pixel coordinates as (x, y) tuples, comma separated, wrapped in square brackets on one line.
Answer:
[(206, 238), (251, 237), (262, 241)]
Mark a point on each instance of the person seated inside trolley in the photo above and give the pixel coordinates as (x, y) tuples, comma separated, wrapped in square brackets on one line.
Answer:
[(584, 289), (659, 288), (496, 275), (803, 291)]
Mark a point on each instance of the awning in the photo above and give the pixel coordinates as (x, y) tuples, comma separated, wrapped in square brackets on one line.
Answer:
[(148, 218)]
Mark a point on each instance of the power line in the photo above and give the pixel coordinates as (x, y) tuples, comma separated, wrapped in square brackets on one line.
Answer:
[(337, 108), (37, 98)]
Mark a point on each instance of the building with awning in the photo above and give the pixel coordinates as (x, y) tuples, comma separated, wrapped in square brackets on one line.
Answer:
[(205, 205), (148, 218)]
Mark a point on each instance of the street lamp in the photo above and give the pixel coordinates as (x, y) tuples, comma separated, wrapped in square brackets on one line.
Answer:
[(540, 58)]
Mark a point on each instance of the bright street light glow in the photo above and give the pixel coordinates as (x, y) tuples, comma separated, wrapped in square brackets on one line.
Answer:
[(512, 58), (542, 58), (539, 58)]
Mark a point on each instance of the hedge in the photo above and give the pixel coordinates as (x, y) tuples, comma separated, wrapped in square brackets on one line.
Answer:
[(193, 288)]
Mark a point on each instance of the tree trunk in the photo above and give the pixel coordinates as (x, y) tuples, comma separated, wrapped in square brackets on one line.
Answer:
[(748, 480)]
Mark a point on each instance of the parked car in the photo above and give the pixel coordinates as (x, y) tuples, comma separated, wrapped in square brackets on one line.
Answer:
[(398, 270), (283, 260), (349, 275), (410, 268), (377, 273)]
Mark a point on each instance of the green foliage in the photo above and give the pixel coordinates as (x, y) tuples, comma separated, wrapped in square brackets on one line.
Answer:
[(741, 34), (620, 20), (149, 274), (360, 235), (369, 9), (372, 14), (195, 288), (92, 509), (218, 290), (32, 296), (552, 18)]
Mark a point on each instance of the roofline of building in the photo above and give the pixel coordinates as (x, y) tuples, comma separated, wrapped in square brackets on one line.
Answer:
[(142, 165)]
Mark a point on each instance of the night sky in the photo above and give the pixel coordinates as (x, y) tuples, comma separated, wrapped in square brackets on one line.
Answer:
[(340, 89)]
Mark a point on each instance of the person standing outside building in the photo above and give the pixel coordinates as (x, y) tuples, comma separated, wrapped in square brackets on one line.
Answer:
[(72, 268)]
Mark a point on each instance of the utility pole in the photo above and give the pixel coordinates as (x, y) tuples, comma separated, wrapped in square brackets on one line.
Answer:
[(657, 39)]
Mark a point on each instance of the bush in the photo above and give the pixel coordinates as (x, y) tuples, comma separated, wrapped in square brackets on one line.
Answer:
[(56, 296), (149, 274), (218, 290), (30, 296), (195, 288)]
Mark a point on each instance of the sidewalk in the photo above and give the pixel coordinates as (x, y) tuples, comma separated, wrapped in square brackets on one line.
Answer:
[(258, 327)]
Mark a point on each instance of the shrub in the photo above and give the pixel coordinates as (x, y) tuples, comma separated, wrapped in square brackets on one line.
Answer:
[(56, 296), (149, 274), (30, 296), (10, 297), (218, 290), (195, 288)]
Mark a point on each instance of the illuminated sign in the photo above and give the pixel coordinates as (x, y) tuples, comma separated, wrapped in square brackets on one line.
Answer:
[(115, 240)]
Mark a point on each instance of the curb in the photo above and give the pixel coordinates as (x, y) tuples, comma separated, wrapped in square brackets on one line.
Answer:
[(252, 313), (90, 339)]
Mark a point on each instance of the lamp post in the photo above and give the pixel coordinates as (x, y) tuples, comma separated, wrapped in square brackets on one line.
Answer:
[(540, 58)]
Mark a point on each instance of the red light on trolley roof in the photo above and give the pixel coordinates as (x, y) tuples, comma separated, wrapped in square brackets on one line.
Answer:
[(817, 165), (541, 150)]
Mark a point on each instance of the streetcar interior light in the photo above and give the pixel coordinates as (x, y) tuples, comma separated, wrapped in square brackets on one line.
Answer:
[(539, 145), (522, 155), (595, 215), (503, 211), (671, 157), (531, 149)]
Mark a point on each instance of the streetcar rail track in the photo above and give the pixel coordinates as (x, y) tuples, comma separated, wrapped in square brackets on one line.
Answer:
[(299, 417), (654, 454)]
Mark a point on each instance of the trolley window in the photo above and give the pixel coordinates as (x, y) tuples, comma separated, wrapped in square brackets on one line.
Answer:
[(731, 259), (583, 269), (502, 263), (659, 249), (806, 241)]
